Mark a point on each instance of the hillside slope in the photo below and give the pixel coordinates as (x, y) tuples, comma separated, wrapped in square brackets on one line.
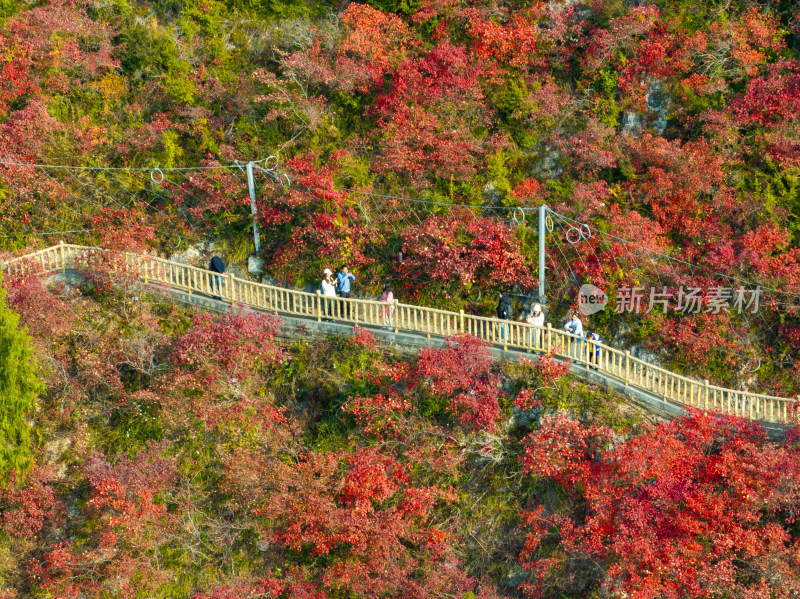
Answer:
[(181, 454), (672, 125)]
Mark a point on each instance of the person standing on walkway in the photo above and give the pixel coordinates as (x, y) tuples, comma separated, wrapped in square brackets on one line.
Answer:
[(387, 311), (218, 266), (535, 319), (343, 279), (594, 354), (575, 327), (328, 288), (505, 311)]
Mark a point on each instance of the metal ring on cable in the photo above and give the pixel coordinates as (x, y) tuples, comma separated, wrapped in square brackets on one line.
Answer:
[(266, 162), (569, 235), (161, 174), (475, 300), (288, 183), (520, 220), (586, 232), (548, 222), (752, 365), (172, 244)]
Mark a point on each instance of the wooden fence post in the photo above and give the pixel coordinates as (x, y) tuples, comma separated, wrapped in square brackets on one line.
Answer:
[(461, 321), (63, 256), (705, 384), (319, 306)]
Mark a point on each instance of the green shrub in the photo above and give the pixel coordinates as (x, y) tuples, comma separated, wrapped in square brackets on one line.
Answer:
[(19, 387)]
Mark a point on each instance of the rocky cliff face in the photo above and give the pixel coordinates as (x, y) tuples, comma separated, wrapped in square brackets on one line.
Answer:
[(655, 118)]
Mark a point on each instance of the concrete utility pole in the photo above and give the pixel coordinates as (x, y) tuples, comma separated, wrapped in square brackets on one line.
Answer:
[(542, 236), (251, 186)]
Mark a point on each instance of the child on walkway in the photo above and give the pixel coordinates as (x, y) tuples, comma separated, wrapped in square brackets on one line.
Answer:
[(594, 354), (387, 311)]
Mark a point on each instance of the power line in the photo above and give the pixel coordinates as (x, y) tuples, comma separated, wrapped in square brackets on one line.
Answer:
[(236, 165), (46, 233), (574, 222), (429, 202), (672, 258), (117, 168), (565, 219), (650, 254)]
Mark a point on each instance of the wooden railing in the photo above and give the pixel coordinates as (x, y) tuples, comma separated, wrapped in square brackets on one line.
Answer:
[(612, 362)]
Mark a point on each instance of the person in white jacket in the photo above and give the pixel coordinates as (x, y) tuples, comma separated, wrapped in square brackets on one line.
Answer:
[(328, 288), (536, 319)]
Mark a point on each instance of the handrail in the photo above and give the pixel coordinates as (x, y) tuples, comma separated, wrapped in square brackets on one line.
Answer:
[(615, 363)]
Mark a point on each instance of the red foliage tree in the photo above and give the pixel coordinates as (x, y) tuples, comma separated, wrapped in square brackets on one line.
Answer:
[(125, 229), (379, 414), (375, 40), (232, 345), (30, 505), (461, 372), (693, 508), (512, 42), (223, 363), (770, 99), (316, 224), (47, 316), (428, 118), (361, 519), (127, 523), (462, 250)]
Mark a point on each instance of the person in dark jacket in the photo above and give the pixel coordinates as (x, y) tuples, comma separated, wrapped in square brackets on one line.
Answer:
[(218, 266), (505, 311)]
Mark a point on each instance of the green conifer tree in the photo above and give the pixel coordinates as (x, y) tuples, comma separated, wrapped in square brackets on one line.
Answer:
[(19, 388)]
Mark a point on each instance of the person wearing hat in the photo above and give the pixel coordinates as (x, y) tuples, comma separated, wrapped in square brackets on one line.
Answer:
[(535, 319), (328, 289)]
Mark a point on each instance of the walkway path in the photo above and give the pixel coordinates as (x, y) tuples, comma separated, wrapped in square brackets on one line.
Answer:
[(612, 366)]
